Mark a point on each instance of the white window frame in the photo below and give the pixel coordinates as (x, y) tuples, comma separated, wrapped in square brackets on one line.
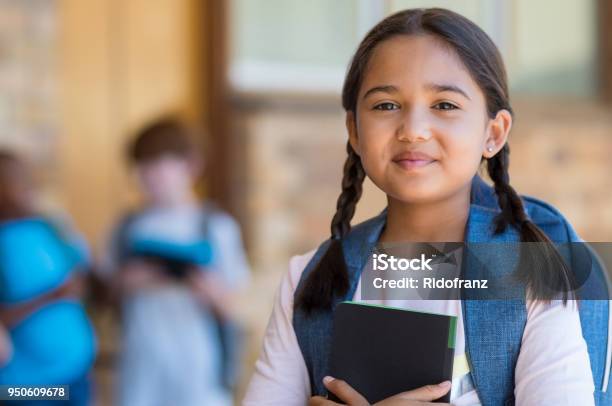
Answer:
[(264, 76)]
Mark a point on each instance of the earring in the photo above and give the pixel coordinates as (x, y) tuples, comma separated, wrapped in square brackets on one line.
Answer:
[(490, 149)]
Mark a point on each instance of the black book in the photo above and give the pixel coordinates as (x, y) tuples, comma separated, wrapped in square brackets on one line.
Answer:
[(382, 351)]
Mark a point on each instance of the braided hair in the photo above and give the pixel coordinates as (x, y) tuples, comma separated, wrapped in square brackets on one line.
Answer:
[(329, 278), (546, 274)]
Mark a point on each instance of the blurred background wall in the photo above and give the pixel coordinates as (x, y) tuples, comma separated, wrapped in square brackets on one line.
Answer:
[(78, 76), (262, 79), (120, 63)]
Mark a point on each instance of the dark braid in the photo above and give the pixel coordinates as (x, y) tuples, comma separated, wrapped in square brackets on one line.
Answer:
[(511, 205), (330, 277), (352, 186), (541, 266)]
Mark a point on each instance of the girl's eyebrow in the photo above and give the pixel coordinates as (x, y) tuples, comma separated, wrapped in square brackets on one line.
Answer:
[(383, 89), (439, 88), (436, 87)]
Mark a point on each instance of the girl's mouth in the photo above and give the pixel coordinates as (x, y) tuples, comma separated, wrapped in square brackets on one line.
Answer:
[(413, 159), (413, 163)]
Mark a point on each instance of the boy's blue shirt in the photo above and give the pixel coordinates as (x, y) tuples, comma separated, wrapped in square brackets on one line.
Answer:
[(493, 328)]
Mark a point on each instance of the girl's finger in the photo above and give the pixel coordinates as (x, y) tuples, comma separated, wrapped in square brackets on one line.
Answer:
[(344, 391), (427, 393), (321, 401)]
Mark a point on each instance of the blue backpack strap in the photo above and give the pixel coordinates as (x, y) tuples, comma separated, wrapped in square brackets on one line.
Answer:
[(595, 317), (313, 332), (492, 356)]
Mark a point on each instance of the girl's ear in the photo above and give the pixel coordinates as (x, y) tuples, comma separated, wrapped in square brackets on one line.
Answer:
[(497, 132), (351, 127)]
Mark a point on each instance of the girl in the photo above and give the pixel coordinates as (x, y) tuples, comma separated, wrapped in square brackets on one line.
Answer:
[(426, 103), (46, 337)]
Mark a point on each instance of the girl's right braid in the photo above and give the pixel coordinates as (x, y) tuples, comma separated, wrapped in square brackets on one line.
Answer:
[(352, 186), (330, 277)]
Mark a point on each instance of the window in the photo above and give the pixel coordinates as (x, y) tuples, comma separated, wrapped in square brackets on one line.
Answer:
[(549, 46)]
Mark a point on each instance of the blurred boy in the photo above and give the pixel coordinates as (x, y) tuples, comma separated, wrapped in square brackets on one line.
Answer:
[(175, 263)]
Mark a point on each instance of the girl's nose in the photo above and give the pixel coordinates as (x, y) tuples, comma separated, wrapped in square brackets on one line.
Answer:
[(414, 127)]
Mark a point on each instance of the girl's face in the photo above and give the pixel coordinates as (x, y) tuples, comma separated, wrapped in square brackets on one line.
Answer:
[(421, 124)]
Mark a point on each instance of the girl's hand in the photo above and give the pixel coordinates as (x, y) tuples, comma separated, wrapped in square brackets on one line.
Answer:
[(416, 397), (6, 348)]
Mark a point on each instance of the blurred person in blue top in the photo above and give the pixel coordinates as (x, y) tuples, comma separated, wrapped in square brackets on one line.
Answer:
[(177, 264), (46, 337)]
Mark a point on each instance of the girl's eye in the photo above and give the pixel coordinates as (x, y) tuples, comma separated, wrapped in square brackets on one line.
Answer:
[(386, 106), (445, 106)]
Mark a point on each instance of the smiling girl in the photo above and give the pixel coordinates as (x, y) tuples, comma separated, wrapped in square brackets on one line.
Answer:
[(427, 104)]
